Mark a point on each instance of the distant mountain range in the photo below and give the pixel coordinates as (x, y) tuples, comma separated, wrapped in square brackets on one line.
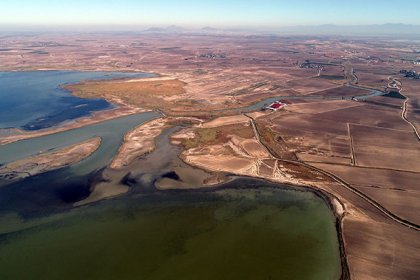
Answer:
[(326, 29), (331, 29), (389, 29), (169, 29)]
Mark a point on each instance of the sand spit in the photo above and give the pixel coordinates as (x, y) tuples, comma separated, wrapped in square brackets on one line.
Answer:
[(50, 160), (150, 79), (138, 142), (141, 140), (10, 136), (103, 191)]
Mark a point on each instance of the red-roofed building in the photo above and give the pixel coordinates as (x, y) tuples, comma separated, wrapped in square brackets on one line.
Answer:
[(275, 106)]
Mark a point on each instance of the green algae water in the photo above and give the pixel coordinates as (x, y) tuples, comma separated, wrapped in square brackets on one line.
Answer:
[(238, 232)]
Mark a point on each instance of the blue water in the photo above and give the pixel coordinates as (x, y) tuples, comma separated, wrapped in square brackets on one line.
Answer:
[(111, 132), (61, 188), (33, 100)]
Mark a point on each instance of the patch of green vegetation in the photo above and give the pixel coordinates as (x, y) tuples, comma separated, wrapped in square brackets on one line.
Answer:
[(200, 72), (332, 77), (240, 130), (207, 134), (170, 48), (275, 142), (190, 143), (203, 136), (187, 102)]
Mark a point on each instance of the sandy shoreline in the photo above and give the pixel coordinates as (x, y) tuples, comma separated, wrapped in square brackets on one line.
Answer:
[(141, 139), (150, 79), (137, 142), (120, 109), (50, 160), (96, 117)]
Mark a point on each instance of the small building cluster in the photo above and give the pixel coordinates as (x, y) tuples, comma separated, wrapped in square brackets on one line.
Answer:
[(275, 106), (374, 59), (212, 55), (411, 74), (310, 65)]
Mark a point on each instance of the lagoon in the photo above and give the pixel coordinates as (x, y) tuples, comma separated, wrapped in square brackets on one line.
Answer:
[(33, 100)]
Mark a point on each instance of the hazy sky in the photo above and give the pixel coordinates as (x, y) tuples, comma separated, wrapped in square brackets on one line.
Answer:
[(209, 12)]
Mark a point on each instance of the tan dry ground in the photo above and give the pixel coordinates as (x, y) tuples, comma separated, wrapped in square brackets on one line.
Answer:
[(398, 191), (320, 106), (378, 137), (411, 89), (384, 148), (138, 142), (200, 94), (306, 136), (236, 149), (362, 134), (323, 131), (148, 93), (341, 91), (376, 247)]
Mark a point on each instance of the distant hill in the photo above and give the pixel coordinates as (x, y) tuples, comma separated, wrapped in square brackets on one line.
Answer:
[(210, 29), (331, 29), (389, 29), (169, 29), (397, 29)]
